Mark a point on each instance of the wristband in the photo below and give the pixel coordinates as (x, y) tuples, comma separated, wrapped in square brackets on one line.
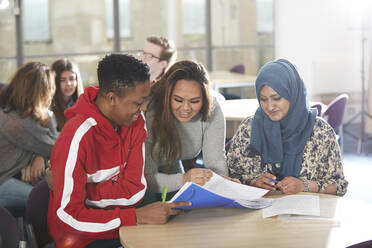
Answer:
[(306, 183)]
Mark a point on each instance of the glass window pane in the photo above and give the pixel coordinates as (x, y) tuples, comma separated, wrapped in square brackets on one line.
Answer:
[(76, 27), (149, 18), (7, 68), (194, 23), (36, 20), (7, 26), (124, 19), (265, 16), (238, 22)]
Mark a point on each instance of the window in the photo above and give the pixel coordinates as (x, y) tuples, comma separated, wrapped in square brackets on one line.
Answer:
[(193, 17), (124, 18), (36, 20), (264, 10)]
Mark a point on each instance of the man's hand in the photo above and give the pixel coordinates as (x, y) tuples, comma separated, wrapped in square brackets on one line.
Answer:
[(158, 213)]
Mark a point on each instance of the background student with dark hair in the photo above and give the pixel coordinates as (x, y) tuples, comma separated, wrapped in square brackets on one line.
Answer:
[(183, 118), (69, 87)]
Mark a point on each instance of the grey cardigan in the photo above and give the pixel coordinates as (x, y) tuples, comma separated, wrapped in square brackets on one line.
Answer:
[(20, 139), (196, 135)]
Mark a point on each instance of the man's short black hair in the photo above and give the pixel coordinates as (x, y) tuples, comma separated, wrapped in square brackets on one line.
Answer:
[(118, 71)]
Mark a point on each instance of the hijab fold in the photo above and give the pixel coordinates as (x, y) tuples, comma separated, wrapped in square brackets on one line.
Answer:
[(283, 141)]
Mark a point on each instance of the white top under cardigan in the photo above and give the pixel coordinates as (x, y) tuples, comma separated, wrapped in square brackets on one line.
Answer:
[(196, 135)]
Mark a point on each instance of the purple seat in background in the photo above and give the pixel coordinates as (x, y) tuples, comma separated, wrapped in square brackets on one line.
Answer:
[(9, 229), (335, 114), (238, 69), (37, 211), (318, 106)]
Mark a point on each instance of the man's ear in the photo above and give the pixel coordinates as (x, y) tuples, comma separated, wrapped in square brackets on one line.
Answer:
[(163, 64), (111, 97)]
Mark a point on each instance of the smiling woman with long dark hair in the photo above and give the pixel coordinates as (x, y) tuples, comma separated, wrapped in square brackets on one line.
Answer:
[(182, 120)]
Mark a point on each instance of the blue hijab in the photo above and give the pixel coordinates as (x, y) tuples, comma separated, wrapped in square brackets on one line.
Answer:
[(283, 141)]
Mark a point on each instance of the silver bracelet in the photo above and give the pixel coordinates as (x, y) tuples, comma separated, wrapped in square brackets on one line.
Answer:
[(306, 183)]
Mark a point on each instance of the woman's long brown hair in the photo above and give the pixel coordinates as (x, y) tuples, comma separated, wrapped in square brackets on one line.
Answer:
[(59, 105), (30, 92), (164, 133)]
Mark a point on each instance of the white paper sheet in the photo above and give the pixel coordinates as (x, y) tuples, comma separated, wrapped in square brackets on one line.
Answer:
[(232, 190), (293, 204), (327, 212)]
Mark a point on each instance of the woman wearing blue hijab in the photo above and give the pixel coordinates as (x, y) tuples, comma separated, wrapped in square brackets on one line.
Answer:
[(284, 145)]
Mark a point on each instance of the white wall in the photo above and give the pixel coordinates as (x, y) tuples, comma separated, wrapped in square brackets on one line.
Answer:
[(324, 41)]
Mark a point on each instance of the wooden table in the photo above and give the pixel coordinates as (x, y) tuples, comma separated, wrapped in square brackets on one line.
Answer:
[(351, 223)]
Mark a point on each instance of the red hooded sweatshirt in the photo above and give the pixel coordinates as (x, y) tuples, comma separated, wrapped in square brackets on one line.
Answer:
[(98, 175)]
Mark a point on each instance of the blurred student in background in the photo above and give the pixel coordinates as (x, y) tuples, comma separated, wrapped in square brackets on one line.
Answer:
[(69, 87), (159, 54), (27, 131)]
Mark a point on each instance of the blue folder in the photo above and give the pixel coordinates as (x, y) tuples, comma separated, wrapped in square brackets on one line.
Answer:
[(203, 198)]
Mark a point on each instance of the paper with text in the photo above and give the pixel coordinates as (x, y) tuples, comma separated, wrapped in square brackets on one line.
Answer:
[(293, 204)]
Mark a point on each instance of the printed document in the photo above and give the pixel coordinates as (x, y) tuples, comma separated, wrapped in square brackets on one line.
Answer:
[(293, 204)]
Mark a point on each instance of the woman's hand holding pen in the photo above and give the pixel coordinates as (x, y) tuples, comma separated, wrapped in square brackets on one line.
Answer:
[(197, 175), (265, 181), (290, 185)]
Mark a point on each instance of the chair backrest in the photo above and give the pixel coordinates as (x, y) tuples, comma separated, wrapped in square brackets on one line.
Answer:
[(227, 145), (9, 229), (240, 68), (318, 107), (37, 212), (366, 244), (335, 111)]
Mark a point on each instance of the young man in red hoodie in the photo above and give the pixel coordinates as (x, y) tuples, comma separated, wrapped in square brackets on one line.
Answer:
[(98, 160)]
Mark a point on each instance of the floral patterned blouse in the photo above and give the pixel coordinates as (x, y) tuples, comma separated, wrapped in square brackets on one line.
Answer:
[(321, 158)]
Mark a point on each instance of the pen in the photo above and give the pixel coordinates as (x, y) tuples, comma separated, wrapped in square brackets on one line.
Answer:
[(273, 180), (164, 194)]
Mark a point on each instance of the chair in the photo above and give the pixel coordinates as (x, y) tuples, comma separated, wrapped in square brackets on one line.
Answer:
[(239, 68), (335, 114), (318, 106), (10, 231), (228, 145), (366, 244), (37, 211)]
